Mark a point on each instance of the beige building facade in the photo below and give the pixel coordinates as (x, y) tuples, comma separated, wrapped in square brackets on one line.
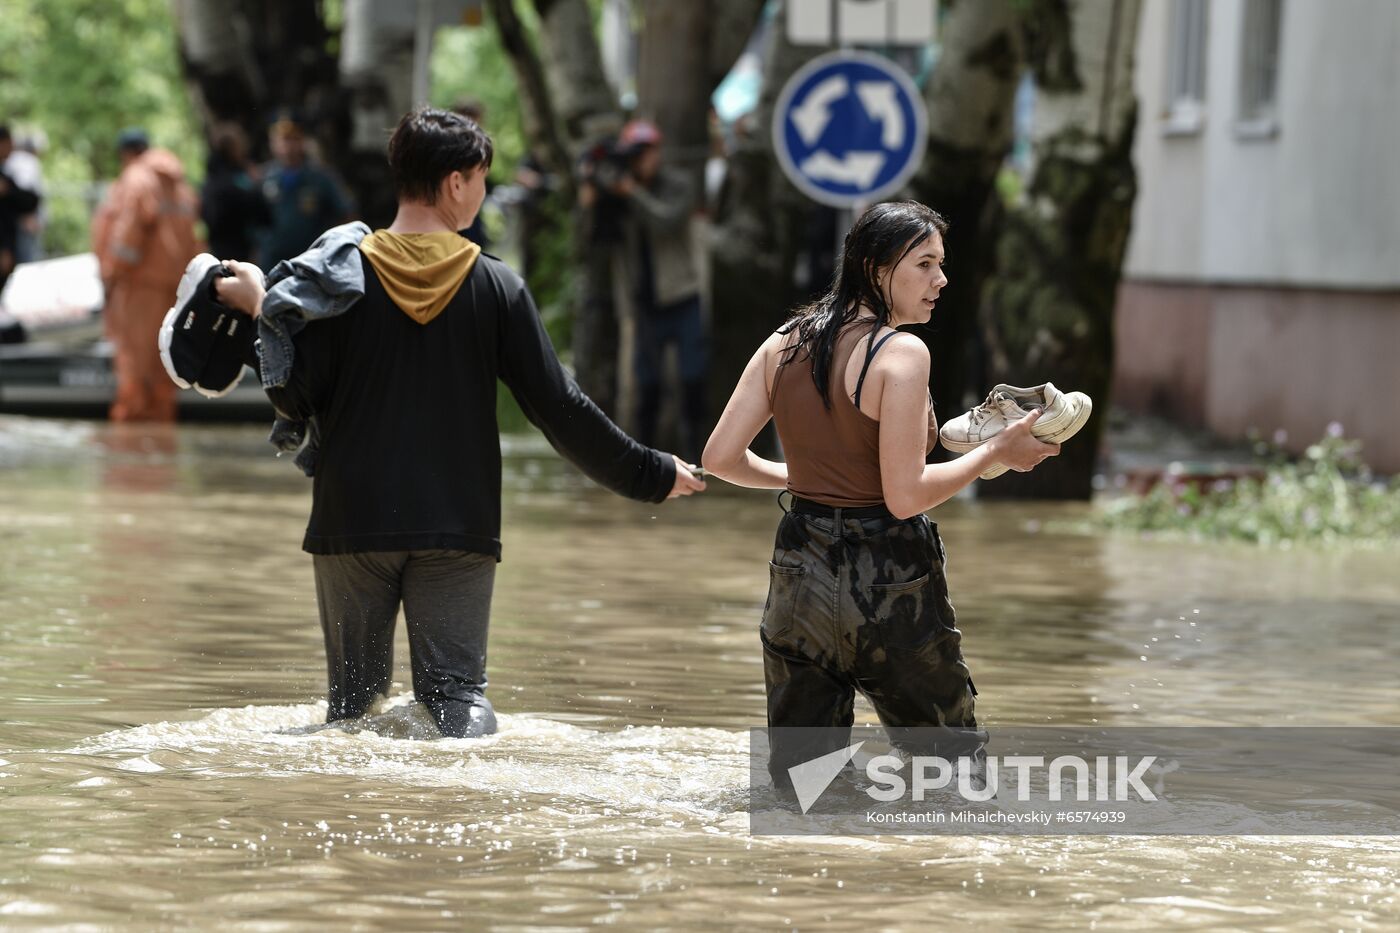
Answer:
[(1262, 283)]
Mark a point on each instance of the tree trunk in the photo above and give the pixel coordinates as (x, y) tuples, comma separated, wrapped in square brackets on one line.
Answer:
[(673, 79), (247, 61), (537, 111), (584, 103), (576, 108), (970, 98), (764, 231), (686, 50), (1048, 309)]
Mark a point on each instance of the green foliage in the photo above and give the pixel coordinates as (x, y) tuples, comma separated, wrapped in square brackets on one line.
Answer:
[(81, 70), (69, 203), (1326, 497), (469, 62), (550, 275)]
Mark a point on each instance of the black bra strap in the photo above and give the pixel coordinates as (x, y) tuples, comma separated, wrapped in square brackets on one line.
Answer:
[(870, 355)]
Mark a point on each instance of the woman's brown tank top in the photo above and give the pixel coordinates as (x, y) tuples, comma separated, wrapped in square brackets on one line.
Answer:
[(833, 454)]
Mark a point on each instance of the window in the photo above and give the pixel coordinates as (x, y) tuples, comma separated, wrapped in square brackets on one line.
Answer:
[(1259, 68), (1186, 67)]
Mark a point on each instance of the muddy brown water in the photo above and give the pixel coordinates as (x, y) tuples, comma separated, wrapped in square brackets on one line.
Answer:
[(158, 641)]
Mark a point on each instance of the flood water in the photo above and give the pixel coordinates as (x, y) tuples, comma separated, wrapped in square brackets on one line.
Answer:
[(158, 639)]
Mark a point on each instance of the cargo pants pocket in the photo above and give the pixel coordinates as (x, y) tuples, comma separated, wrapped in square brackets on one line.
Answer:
[(779, 609)]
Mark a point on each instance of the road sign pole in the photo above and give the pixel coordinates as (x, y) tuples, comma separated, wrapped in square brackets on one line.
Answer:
[(845, 220)]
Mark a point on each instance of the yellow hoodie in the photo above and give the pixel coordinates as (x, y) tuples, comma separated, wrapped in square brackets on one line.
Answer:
[(420, 271)]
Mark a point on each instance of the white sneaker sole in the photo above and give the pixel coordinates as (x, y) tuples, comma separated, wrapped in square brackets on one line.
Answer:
[(961, 447), (195, 272)]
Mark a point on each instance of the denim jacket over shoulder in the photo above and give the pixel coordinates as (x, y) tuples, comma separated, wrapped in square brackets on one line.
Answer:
[(322, 282)]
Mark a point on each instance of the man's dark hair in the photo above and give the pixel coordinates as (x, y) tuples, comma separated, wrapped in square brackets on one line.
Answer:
[(430, 144), (4, 133)]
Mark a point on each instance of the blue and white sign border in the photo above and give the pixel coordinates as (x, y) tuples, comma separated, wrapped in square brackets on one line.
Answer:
[(780, 118)]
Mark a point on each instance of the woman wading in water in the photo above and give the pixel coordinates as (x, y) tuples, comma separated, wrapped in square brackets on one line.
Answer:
[(857, 598)]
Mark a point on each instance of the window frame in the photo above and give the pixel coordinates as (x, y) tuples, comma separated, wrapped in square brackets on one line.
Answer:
[(1256, 105), (1186, 80)]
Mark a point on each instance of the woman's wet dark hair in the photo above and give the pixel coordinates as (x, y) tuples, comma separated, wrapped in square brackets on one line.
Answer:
[(880, 239), (430, 144)]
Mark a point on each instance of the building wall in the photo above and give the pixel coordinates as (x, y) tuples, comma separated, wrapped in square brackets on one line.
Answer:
[(1317, 204), (1262, 282), (1239, 358)]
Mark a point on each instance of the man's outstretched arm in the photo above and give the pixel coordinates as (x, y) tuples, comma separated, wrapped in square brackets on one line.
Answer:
[(573, 424)]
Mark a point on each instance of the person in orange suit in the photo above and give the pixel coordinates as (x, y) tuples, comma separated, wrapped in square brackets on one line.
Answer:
[(143, 236)]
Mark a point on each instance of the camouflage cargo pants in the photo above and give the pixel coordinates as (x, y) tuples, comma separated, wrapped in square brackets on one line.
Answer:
[(858, 600)]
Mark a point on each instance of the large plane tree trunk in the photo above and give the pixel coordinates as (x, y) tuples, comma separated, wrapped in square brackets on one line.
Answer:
[(686, 49), (246, 61), (970, 97), (585, 109), (1048, 307), (764, 234), (568, 105)]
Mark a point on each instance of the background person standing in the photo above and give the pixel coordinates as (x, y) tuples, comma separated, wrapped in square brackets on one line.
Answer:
[(232, 204), (305, 200), (143, 235), (19, 162), (15, 202), (654, 203)]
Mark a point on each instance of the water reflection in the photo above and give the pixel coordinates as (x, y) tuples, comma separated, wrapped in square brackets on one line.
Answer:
[(159, 650)]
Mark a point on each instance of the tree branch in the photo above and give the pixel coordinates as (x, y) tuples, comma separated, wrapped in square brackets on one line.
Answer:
[(541, 126)]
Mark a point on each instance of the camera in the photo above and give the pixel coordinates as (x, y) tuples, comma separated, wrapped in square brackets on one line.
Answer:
[(604, 164)]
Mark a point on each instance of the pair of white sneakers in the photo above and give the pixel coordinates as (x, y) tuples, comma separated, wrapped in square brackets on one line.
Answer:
[(1062, 414)]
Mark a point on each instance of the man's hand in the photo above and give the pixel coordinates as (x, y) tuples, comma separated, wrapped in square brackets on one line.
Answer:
[(686, 482), (1020, 450), (624, 185), (244, 291)]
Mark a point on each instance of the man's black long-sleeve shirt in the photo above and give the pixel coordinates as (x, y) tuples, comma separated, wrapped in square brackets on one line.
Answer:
[(410, 453)]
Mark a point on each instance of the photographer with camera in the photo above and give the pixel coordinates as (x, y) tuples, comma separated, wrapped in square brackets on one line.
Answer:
[(643, 207)]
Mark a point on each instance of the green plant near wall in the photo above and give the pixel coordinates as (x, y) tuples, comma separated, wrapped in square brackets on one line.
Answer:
[(1328, 496)]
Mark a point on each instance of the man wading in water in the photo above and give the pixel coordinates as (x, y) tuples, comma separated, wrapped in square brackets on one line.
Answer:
[(406, 506)]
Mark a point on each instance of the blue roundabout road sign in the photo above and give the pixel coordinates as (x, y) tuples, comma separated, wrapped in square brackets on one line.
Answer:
[(849, 128)]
